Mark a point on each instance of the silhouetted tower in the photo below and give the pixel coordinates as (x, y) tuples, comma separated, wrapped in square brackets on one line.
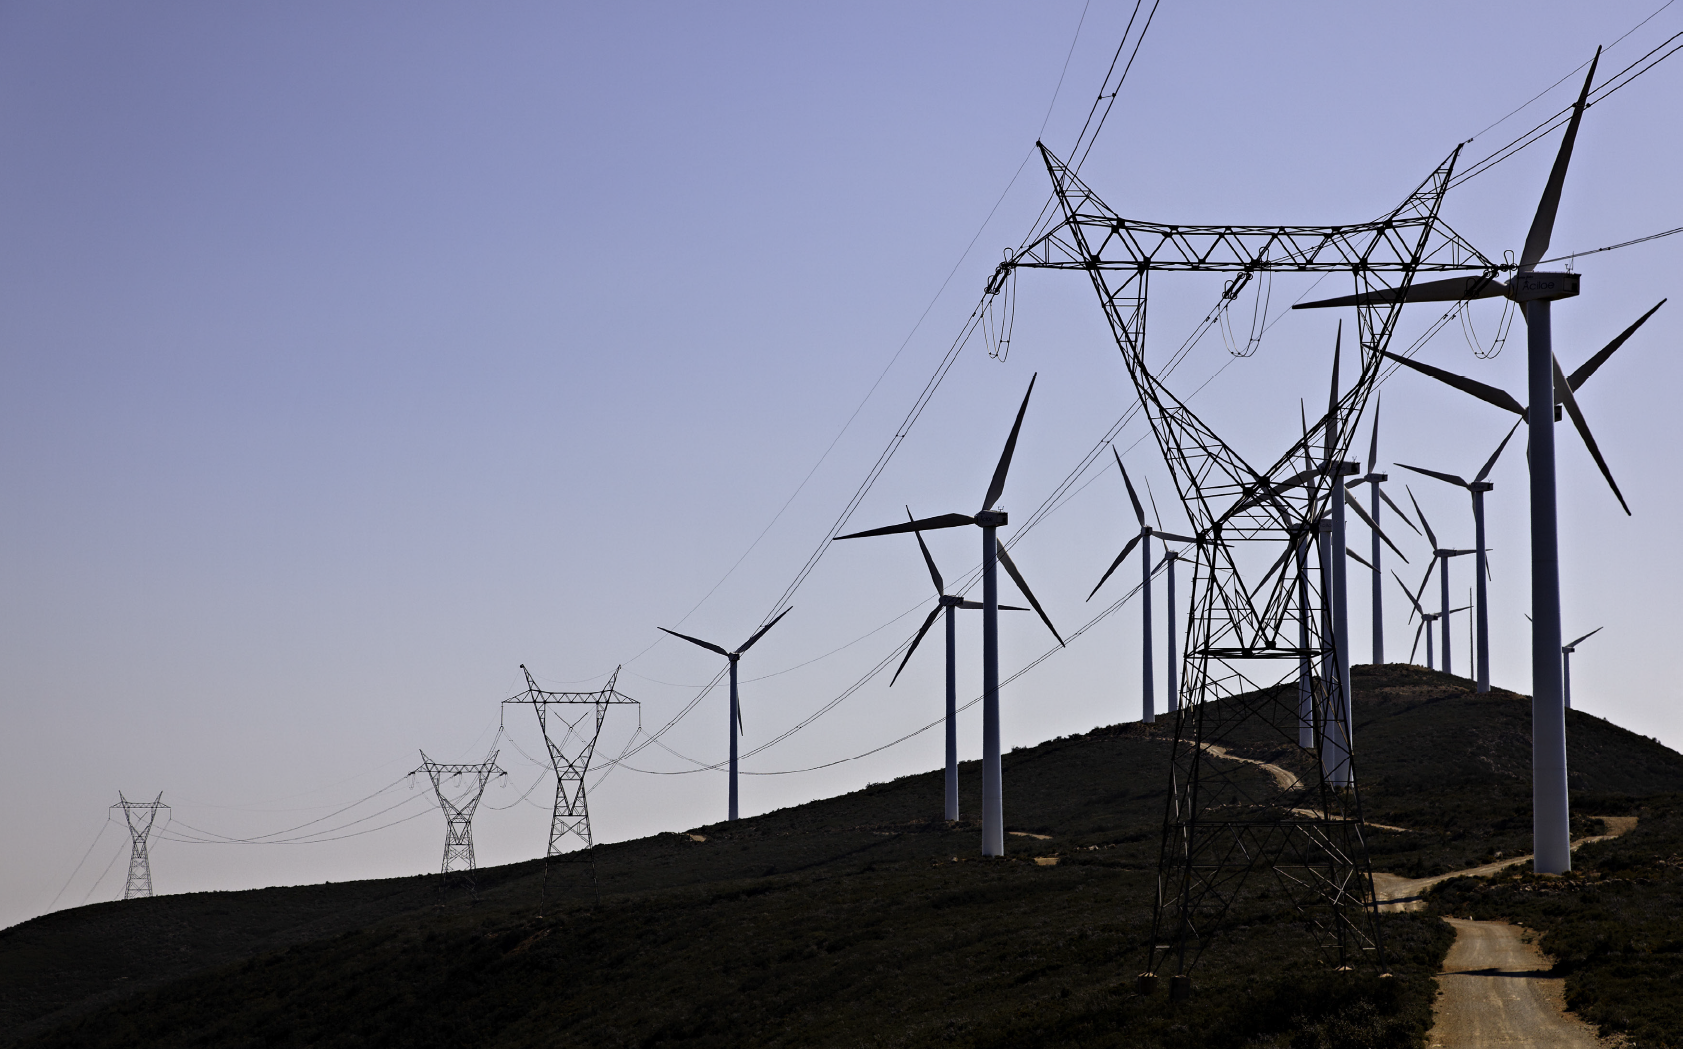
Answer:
[(1243, 667), (140, 817), (576, 718), (458, 811)]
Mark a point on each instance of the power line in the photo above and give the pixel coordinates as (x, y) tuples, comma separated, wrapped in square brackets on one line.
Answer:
[(1615, 247), (81, 861), (1623, 78)]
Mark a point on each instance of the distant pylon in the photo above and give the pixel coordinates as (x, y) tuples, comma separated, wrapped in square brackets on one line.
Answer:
[(140, 816), (458, 812), (571, 753)]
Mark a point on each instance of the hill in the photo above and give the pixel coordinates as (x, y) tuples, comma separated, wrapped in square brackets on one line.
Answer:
[(861, 918)]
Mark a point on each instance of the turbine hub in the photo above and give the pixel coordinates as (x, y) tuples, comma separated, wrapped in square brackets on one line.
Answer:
[(992, 518), (1536, 287)]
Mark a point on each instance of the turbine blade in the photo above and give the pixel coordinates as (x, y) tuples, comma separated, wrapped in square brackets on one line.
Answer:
[(1449, 289), (973, 604), (1500, 398), (1156, 517), (1564, 392), (1358, 558), (697, 641), (927, 524), (1586, 637), (1139, 511), (1114, 565), (996, 487), (1425, 579), (746, 645), (1171, 537), (1577, 379), (1497, 454), (934, 573), (1012, 608), (1371, 523), (1017, 577), (1451, 478), (1408, 594), (922, 630), (1332, 398), (1542, 225), (1430, 538), (1373, 445), (1398, 511), (1416, 646)]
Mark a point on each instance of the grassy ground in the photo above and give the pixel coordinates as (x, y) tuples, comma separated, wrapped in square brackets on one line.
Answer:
[(1614, 924), (853, 920)]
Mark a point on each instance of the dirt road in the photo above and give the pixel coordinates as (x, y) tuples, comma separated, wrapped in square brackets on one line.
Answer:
[(1404, 894), (1497, 993), (1496, 988)]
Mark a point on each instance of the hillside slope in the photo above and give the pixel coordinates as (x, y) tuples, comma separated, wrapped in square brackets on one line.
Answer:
[(816, 924)]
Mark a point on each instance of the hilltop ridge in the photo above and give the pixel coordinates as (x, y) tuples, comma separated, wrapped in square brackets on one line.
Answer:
[(811, 924)]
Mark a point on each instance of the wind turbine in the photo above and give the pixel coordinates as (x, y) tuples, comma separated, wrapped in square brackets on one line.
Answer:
[(1534, 291), (1373, 479), (1443, 554), (1148, 688), (1566, 651), (1426, 618), (948, 603), (1477, 486), (735, 728), (989, 521), (1170, 557)]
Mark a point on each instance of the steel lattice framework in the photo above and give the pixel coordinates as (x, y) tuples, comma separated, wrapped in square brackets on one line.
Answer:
[(1268, 568), (458, 812), (578, 718), (140, 816)]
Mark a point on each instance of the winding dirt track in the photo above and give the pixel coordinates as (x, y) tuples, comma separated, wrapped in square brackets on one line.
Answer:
[(1496, 991)]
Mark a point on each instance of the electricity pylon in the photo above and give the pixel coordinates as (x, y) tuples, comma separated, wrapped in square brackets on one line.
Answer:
[(1222, 822), (458, 812), (580, 715), (140, 816)]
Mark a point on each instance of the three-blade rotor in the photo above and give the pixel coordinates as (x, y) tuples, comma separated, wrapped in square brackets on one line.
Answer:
[(733, 656), (1146, 531), (985, 517)]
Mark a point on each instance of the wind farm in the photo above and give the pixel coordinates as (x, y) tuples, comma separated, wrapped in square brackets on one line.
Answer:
[(320, 440)]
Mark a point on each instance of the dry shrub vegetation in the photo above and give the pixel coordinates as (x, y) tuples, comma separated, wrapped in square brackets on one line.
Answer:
[(858, 920)]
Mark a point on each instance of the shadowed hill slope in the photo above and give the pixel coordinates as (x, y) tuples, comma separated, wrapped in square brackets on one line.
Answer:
[(852, 918)]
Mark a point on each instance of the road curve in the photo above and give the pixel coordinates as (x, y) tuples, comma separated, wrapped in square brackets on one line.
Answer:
[(1496, 991)]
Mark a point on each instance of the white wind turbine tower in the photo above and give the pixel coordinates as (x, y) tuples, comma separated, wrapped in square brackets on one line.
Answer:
[(1427, 619), (1148, 688), (989, 521), (1546, 386), (949, 604), (1376, 495), (1566, 651), (1442, 555), (1477, 487), (735, 728)]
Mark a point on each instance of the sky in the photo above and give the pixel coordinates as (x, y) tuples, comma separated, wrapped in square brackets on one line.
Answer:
[(353, 355)]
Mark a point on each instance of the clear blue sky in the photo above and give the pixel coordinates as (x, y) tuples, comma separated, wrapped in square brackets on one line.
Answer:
[(353, 354)]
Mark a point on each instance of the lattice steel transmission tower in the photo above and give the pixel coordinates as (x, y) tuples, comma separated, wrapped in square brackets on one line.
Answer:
[(575, 717), (1258, 599), (140, 816), (458, 811)]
